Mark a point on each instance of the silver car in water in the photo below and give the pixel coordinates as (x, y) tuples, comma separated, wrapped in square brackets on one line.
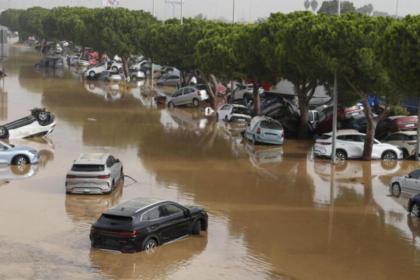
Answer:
[(17, 155), (95, 173)]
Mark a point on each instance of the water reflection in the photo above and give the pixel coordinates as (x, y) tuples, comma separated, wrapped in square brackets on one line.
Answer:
[(12, 172), (162, 263), (88, 208)]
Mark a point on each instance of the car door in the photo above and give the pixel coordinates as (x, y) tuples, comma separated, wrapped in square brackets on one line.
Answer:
[(377, 150), (412, 182), (158, 223), (187, 95), (176, 220), (356, 146)]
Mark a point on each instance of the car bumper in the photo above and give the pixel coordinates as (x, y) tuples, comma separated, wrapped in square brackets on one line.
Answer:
[(278, 141), (88, 188)]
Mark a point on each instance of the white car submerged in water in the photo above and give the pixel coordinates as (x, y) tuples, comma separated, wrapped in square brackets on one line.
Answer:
[(350, 145), (39, 123)]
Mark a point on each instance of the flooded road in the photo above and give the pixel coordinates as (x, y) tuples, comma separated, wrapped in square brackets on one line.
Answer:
[(273, 212)]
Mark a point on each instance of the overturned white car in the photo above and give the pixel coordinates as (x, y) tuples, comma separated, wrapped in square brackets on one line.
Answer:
[(39, 123)]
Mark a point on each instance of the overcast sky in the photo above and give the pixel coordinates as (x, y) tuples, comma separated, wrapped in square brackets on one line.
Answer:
[(215, 9)]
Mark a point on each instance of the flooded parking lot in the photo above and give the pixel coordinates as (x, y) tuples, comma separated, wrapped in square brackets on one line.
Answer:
[(274, 212)]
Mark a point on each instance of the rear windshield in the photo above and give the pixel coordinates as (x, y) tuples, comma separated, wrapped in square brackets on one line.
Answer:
[(115, 219), (88, 167), (240, 110), (271, 125)]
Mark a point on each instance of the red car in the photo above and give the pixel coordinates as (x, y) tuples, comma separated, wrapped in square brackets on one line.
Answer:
[(394, 124)]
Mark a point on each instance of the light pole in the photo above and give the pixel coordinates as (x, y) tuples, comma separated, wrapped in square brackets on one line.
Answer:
[(233, 11), (154, 9), (396, 7), (335, 105)]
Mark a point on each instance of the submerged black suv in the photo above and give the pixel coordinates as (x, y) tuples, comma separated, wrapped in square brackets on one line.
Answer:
[(142, 224)]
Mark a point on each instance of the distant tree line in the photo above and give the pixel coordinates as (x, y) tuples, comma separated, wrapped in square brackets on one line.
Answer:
[(372, 55)]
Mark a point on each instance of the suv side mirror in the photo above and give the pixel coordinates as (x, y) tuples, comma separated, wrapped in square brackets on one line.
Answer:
[(187, 212), (117, 160)]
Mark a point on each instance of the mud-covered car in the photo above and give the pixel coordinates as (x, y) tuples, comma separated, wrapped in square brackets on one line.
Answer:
[(94, 173), (143, 224), (39, 123)]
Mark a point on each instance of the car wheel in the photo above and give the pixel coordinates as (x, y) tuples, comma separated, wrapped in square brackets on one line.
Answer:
[(226, 119), (196, 102), (4, 132), (415, 210), (171, 105), (134, 78), (341, 155), (150, 244), (396, 190), (91, 74), (43, 117), (389, 155), (254, 141), (20, 160), (20, 169), (196, 229)]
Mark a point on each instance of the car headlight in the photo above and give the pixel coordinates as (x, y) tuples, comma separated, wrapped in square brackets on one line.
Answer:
[(34, 152)]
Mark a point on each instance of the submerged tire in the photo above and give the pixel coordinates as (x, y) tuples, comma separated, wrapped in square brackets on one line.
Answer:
[(389, 155), (4, 132), (171, 105), (20, 160), (341, 155), (195, 102), (149, 244)]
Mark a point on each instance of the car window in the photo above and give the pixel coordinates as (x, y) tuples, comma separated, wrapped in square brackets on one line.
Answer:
[(88, 167), (172, 209), (188, 90), (415, 174), (240, 110), (153, 214), (2, 147), (345, 137), (270, 124), (226, 107), (358, 138)]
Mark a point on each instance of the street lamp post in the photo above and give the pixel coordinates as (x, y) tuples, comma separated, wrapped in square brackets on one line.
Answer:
[(178, 2), (396, 7), (154, 8), (233, 11)]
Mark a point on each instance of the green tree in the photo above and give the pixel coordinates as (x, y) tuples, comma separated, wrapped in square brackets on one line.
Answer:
[(291, 51), (353, 50), (31, 22), (10, 18), (401, 55), (114, 31)]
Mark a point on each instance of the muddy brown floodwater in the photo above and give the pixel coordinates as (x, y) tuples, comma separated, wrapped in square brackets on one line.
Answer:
[(273, 212)]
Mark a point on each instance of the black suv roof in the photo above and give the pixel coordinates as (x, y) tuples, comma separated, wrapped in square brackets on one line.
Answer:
[(132, 207)]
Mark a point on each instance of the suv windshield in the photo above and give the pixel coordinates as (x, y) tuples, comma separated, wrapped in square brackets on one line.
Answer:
[(88, 167)]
